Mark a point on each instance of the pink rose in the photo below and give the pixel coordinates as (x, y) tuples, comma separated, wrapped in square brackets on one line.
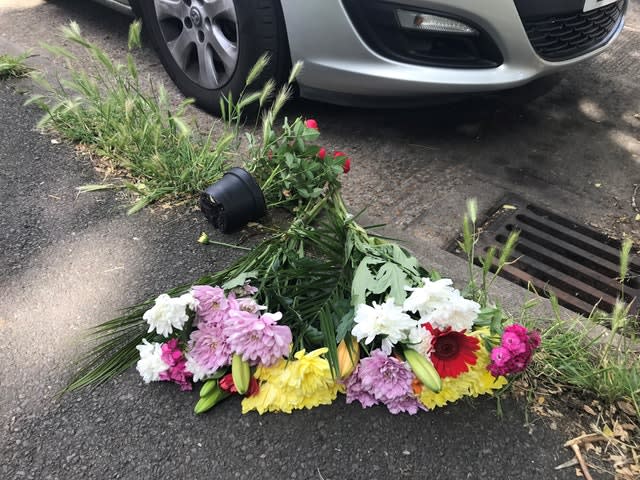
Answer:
[(311, 123)]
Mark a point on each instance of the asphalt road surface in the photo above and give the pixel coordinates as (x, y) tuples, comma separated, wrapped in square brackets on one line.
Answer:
[(552, 141), (72, 261)]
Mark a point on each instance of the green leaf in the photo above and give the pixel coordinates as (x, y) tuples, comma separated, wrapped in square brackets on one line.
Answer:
[(240, 280), (345, 325), (406, 260), (363, 281), (391, 277)]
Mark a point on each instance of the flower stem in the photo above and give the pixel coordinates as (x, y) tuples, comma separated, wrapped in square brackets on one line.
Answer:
[(229, 245)]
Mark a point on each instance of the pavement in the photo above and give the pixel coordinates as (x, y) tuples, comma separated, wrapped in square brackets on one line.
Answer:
[(71, 261)]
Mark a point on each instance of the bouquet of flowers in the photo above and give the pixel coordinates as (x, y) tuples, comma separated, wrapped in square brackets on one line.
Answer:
[(320, 307)]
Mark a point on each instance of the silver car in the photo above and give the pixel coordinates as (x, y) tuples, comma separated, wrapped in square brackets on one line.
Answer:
[(354, 50)]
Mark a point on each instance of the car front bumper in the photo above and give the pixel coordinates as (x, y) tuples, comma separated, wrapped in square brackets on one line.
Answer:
[(340, 65)]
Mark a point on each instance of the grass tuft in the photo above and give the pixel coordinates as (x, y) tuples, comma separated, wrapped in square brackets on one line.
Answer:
[(571, 357), (13, 67), (104, 106)]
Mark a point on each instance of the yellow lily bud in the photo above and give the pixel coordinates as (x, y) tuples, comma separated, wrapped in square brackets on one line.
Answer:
[(347, 360), (204, 238)]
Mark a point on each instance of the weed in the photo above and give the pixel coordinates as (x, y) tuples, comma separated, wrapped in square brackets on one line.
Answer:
[(103, 105), (13, 67)]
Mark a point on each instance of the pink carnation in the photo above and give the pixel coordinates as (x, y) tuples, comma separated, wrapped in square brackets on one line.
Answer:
[(500, 356), (258, 339), (173, 356), (512, 342), (515, 351)]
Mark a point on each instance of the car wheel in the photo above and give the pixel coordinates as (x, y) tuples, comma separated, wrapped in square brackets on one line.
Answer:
[(209, 46)]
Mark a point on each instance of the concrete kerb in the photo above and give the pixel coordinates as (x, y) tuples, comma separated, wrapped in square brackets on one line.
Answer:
[(512, 297)]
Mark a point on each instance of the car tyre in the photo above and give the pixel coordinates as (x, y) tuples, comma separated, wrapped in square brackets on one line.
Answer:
[(209, 46)]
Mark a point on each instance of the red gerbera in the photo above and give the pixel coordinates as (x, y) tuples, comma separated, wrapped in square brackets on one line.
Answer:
[(452, 352)]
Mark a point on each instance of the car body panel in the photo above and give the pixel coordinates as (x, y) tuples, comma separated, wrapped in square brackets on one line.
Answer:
[(338, 60), (118, 5), (339, 65)]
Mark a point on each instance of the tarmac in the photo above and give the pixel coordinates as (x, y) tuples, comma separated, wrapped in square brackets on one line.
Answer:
[(71, 261)]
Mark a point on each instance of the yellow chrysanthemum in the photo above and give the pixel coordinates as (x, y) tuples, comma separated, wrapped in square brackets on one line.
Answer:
[(477, 381), (305, 382)]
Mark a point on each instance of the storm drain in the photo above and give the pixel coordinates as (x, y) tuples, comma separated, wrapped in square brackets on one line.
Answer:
[(555, 254)]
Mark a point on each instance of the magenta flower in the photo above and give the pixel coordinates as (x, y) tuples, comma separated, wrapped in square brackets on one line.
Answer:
[(500, 356), (512, 342), (209, 348), (515, 351), (520, 330), (534, 340), (258, 339), (383, 379), (173, 356)]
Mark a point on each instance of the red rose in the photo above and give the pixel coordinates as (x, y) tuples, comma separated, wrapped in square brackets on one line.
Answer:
[(311, 123), (347, 162), (322, 153)]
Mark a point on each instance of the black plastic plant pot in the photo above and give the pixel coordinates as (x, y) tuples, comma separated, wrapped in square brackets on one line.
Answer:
[(233, 201)]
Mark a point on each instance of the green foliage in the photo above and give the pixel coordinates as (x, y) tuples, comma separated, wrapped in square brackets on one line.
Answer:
[(491, 266), (13, 67), (291, 171), (104, 106), (570, 357)]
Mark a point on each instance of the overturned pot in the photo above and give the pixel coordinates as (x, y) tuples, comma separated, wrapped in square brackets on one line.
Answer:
[(233, 201)]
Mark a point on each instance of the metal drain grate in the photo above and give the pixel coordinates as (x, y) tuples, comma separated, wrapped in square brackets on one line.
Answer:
[(578, 264)]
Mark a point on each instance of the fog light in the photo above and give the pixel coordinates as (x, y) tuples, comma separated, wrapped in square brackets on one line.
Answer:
[(433, 23)]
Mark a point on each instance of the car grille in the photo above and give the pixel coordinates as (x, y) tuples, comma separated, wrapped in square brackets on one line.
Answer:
[(560, 37)]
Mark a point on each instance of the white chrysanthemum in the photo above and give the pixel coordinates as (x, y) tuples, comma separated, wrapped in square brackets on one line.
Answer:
[(150, 365), (420, 340), (198, 371), (422, 299), (189, 301), (168, 313), (387, 320), (457, 313), (442, 305)]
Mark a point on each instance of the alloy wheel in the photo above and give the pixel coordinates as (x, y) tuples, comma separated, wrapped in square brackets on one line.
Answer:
[(202, 36)]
